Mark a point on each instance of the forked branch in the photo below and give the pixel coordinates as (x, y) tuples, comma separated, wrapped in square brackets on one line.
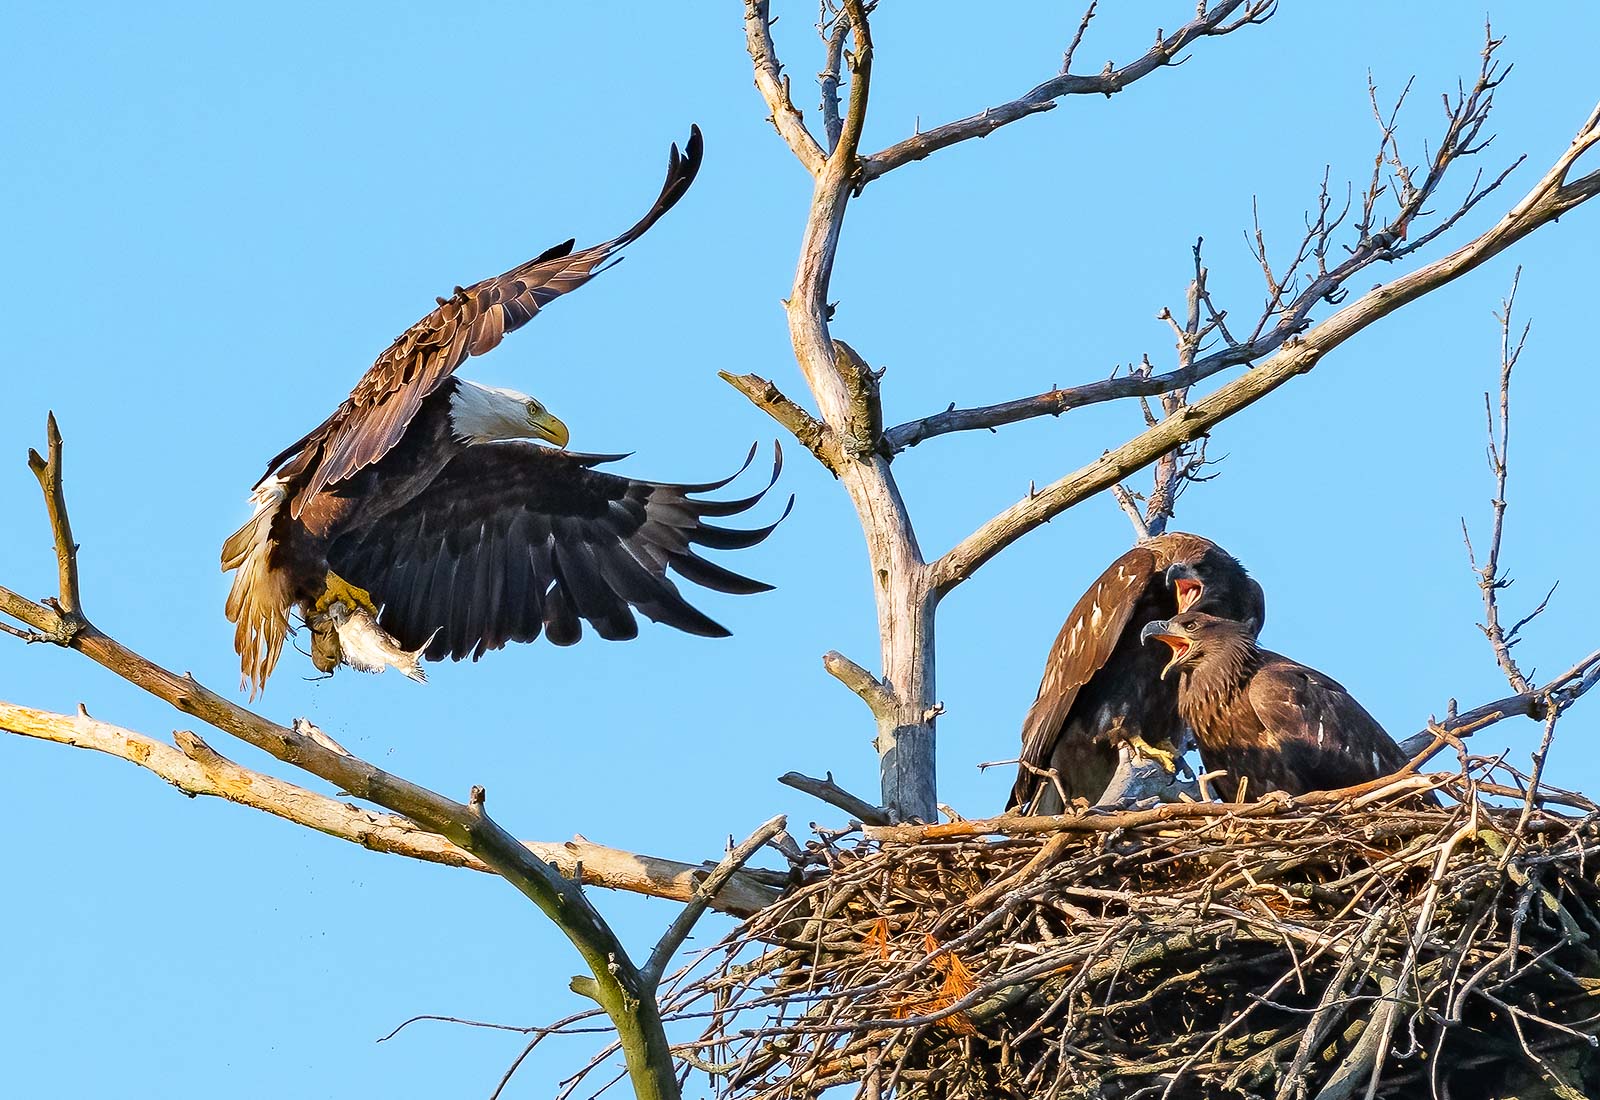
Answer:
[(196, 768), (774, 87), (1294, 287), (703, 897), (1552, 196), (847, 433), (1221, 19), (48, 471), (1490, 579), (617, 984)]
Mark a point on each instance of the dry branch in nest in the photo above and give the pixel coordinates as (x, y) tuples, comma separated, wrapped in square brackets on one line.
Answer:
[(1313, 947)]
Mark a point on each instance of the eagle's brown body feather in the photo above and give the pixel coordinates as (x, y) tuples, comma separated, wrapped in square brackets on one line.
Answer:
[(1259, 715), (1100, 682)]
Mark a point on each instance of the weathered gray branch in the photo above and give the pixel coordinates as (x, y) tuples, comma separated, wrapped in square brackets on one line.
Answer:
[(195, 768), (1208, 24), (691, 913), (834, 795), (774, 87), (1534, 703), (845, 393), (1553, 196), (1057, 400), (880, 698), (811, 433), (828, 78), (616, 984), (1490, 579)]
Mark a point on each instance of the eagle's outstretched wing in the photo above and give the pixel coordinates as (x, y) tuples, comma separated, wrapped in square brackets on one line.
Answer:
[(1087, 638), (472, 321), (513, 539)]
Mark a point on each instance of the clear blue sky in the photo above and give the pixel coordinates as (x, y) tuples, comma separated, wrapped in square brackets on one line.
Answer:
[(216, 217)]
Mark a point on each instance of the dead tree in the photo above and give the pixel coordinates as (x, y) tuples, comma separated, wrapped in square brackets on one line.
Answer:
[(1308, 313), (1329, 944), (1395, 218)]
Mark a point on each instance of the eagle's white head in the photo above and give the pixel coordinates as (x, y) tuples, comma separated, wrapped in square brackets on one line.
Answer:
[(483, 414)]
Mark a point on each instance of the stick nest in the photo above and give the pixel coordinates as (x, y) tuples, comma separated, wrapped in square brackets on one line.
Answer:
[(1293, 949)]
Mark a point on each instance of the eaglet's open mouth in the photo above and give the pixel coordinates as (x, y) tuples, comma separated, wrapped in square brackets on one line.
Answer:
[(1172, 634), (1188, 592)]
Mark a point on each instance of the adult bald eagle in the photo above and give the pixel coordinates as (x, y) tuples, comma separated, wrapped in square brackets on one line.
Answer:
[(1258, 714), (422, 502), (1101, 685)]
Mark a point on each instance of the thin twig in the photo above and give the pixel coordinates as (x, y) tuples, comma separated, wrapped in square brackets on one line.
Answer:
[(1490, 578), (650, 974)]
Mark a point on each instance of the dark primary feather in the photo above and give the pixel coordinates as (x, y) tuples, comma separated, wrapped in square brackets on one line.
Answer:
[(1099, 677), (1261, 716), (513, 539), (470, 322)]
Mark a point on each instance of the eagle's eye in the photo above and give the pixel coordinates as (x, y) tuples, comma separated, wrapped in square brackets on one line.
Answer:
[(535, 411)]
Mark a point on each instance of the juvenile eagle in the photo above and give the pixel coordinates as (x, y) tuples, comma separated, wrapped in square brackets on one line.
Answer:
[(422, 501), (1260, 715), (1101, 685)]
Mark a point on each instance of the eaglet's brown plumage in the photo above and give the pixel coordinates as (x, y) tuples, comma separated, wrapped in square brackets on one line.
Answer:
[(1101, 685), (1258, 715)]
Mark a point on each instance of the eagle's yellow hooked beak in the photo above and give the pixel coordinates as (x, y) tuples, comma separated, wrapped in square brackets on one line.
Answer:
[(1174, 635), (548, 427)]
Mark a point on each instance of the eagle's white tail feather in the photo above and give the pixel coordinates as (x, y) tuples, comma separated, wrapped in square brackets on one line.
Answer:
[(259, 601)]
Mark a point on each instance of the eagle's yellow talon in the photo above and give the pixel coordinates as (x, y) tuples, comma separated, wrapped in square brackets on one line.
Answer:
[(1165, 757), (336, 588)]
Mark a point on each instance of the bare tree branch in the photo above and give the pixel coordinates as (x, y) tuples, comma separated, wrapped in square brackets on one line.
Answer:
[(845, 390), (774, 87), (834, 795), (878, 696), (1552, 196), (1057, 400), (1294, 289), (1562, 691), (1104, 821), (70, 603), (812, 434), (195, 768), (1130, 508), (1215, 23), (685, 921), (828, 78), (1490, 579), (616, 985), (845, 151)]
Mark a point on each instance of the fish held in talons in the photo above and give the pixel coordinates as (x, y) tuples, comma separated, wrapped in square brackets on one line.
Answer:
[(367, 647)]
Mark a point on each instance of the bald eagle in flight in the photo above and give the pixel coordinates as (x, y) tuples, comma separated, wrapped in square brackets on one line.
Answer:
[(1261, 716), (422, 511), (1101, 685)]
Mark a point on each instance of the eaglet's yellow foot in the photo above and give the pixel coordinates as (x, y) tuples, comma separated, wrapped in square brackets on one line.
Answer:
[(1167, 758), (336, 588)]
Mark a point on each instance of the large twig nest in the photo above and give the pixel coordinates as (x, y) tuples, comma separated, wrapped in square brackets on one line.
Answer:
[(1268, 950)]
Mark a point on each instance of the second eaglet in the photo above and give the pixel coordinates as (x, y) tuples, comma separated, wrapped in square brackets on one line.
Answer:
[(1265, 719)]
